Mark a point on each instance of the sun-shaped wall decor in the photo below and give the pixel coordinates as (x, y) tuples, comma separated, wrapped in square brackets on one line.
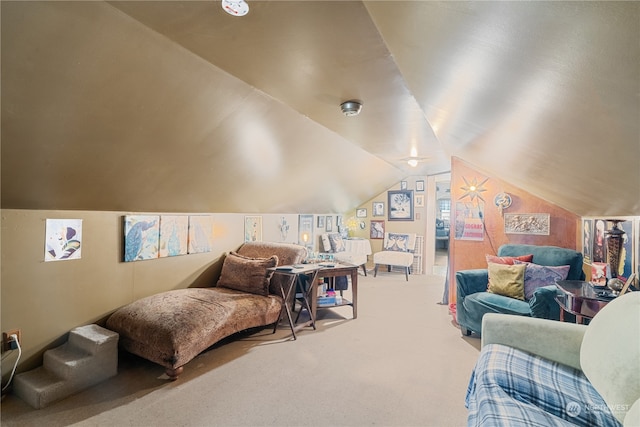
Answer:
[(473, 189)]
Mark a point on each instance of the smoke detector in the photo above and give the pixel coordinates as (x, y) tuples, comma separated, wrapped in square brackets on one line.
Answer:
[(235, 7), (351, 108)]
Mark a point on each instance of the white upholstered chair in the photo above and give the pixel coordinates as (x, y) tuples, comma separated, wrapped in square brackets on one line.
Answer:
[(397, 251), (347, 251)]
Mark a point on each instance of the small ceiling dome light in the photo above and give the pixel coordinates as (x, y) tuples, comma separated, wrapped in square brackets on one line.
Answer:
[(235, 7), (413, 162), (351, 108)]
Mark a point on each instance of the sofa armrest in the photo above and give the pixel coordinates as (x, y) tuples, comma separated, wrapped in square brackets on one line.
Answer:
[(556, 341), (471, 281), (543, 303)]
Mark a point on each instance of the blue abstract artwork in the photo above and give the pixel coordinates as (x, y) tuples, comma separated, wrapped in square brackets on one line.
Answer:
[(141, 237)]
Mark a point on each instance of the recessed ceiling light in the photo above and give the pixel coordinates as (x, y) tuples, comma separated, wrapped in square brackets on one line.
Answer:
[(235, 7)]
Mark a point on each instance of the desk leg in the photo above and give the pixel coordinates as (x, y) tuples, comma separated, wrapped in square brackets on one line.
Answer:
[(286, 296), (314, 296), (312, 314), (354, 291)]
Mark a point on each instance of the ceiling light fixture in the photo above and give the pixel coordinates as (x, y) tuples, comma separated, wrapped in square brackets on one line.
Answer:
[(413, 162), (351, 108), (235, 7)]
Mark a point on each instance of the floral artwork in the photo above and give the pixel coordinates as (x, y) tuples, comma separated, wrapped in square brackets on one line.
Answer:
[(174, 235), (253, 229), (400, 205), (200, 234), (141, 237), (63, 239)]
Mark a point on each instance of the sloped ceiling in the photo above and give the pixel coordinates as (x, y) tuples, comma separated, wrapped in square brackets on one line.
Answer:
[(177, 106)]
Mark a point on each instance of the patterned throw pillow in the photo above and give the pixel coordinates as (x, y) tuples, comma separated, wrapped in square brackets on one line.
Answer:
[(397, 242), (536, 276), (336, 242), (506, 280), (246, 274), (508, 259)]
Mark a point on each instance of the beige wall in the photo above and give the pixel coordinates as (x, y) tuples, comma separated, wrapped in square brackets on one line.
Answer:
[(47, 299)]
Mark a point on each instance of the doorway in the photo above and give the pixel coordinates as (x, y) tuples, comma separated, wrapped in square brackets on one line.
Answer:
[(443, 226)]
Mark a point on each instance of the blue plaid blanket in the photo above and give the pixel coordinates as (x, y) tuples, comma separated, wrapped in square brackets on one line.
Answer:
[(509, 387)]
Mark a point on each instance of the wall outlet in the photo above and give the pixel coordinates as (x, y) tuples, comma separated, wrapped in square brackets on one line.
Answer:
[(6, 340)]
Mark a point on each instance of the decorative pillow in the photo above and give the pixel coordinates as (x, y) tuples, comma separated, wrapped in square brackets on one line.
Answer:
[(326, 243), (336, 242), (246, 274), (507, 280), (536, 276), (508, 259), (397, 242)]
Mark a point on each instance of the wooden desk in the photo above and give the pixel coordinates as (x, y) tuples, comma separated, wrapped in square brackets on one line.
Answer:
[(336, 271)]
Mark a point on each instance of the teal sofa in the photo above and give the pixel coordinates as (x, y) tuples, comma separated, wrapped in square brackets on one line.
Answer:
[(473, 300)]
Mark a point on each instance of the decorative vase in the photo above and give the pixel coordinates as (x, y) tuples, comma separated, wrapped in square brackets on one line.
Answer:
[(614, 246), (615, 285)]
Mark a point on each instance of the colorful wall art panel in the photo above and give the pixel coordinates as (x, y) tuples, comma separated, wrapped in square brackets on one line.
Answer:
[(63, 239), (200, 234), (141, 237), (174, 235)]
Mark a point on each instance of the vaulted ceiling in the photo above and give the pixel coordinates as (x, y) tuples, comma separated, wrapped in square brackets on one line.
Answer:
[(178, 106)]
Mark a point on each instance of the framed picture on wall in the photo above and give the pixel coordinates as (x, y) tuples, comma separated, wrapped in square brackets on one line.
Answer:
[(378, 209), (305, 231), (400, 205), (328, 223), (419, 185), (320, 221), (253, 229), (377, 229), (361, 213), (403, 185), (419, 200)]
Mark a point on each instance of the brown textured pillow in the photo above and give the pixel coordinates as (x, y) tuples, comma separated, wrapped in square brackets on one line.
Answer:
[(246, 274), (507, 280)]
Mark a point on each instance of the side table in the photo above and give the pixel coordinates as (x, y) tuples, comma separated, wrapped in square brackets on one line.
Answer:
[(580, 299), (296, 273)]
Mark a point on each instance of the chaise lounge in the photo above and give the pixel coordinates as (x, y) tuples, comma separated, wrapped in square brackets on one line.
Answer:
[(173, 327)]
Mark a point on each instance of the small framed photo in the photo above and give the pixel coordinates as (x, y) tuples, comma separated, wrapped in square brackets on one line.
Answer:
[(403, 185), (419, 200), (377, 229), (328, 225), (361, 213), (400, 205), (419, 185), (378, 209), (320, 222)]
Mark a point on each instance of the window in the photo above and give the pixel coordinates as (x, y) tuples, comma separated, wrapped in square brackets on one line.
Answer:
[(444, 205)]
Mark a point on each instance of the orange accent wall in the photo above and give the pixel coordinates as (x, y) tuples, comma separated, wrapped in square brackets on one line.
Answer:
[(470, 254)]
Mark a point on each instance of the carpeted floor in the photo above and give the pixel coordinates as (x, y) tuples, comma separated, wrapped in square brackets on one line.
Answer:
[(401, 363)]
